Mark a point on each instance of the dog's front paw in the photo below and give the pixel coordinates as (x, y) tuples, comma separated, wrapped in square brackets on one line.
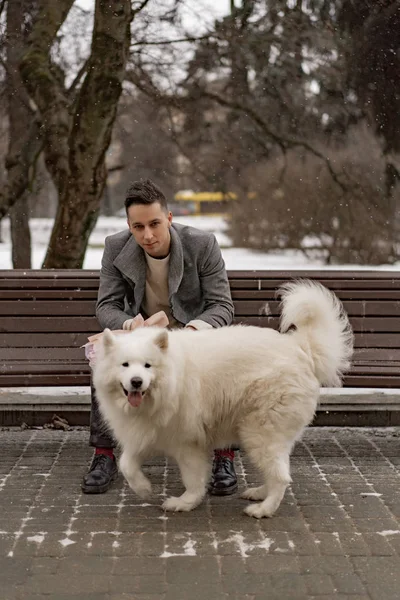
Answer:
[(258, 511), (175, 504), (141, 489), (254, 493)]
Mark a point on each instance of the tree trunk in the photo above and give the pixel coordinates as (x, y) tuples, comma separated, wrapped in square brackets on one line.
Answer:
[(20, 234), (25, 141), (374, 65), (20, 116), (77, 131), (90, 136)]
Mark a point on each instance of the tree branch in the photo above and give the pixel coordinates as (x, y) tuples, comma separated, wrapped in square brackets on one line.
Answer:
[(141, 6), (283, 141), (78, 77), (177, 41), (22, 97), (2, 5), (143, 82)]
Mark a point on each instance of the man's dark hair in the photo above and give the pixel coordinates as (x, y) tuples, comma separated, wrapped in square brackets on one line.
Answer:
[(144, 191)]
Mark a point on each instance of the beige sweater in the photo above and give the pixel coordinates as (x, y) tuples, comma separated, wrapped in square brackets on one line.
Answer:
[(156, 296)]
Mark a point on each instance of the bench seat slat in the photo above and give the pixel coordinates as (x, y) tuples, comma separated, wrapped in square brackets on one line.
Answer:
[(77, 324), (63, 295), (53, 284), (377, 340), (59, 340), (44, 379), (68, 354), (20, 274), (237, 294), (74, 324), (359, 324), (321, 275), (375, 354), (358, 381), (260, 284), (44, 366), (371, 381), (37, 379), (42, 354), (81, 365), (361, 295), (42, 340), (55, 308), (353, 308), (335, 285)]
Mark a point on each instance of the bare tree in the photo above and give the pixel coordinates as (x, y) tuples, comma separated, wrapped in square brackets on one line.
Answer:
[(373, 61), (25, 140), (77, 124)]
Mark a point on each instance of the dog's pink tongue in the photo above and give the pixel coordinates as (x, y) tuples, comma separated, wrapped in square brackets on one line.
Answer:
[(135, 398)]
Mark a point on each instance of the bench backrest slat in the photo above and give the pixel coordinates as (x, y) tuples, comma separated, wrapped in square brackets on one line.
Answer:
[(72, 340)]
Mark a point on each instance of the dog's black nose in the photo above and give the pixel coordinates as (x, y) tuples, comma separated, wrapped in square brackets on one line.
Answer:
[(136, 382)]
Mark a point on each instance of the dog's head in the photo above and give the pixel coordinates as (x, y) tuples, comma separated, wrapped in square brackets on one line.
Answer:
[(133, 361)]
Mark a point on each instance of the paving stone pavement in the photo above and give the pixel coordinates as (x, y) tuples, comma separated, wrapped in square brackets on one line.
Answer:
[(336, 534)]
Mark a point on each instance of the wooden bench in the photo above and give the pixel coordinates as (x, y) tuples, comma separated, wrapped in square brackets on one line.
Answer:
[(46, 316)]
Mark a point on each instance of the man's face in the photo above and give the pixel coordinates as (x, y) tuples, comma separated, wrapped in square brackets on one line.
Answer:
[(149, 224)]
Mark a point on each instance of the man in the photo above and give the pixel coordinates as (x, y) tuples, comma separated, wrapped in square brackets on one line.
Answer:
[(158, 266)]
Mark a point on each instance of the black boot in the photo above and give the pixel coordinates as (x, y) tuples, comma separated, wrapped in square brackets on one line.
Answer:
[(103, 471), (223, 480)]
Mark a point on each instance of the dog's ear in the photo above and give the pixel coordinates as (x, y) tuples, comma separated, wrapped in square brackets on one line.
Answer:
[(108, 339), (162, 340)]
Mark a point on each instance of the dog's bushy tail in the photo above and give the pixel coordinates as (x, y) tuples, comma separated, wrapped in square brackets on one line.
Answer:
[(321, 325)]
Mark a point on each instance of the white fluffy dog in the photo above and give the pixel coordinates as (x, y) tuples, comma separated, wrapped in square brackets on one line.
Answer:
[(182, 393)]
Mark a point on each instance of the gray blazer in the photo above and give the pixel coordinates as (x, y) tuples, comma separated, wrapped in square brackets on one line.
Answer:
[(198, 282)]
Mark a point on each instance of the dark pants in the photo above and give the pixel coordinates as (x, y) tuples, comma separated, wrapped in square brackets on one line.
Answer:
[(100, 436)]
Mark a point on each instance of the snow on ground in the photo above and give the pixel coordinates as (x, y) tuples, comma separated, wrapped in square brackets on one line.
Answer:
[(82, 390), (235, 258)]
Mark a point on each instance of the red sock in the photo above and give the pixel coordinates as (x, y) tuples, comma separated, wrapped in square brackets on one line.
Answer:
[(225, 452), (107, 451)]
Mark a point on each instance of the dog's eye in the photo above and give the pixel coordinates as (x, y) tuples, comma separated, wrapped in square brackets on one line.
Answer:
[(125, 364), (147, 366)]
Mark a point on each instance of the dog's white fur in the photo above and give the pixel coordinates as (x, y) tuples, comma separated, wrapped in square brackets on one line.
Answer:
[(217, 387)]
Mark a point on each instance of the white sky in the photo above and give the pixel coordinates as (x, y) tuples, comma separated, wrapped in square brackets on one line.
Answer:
[(207, 10)]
